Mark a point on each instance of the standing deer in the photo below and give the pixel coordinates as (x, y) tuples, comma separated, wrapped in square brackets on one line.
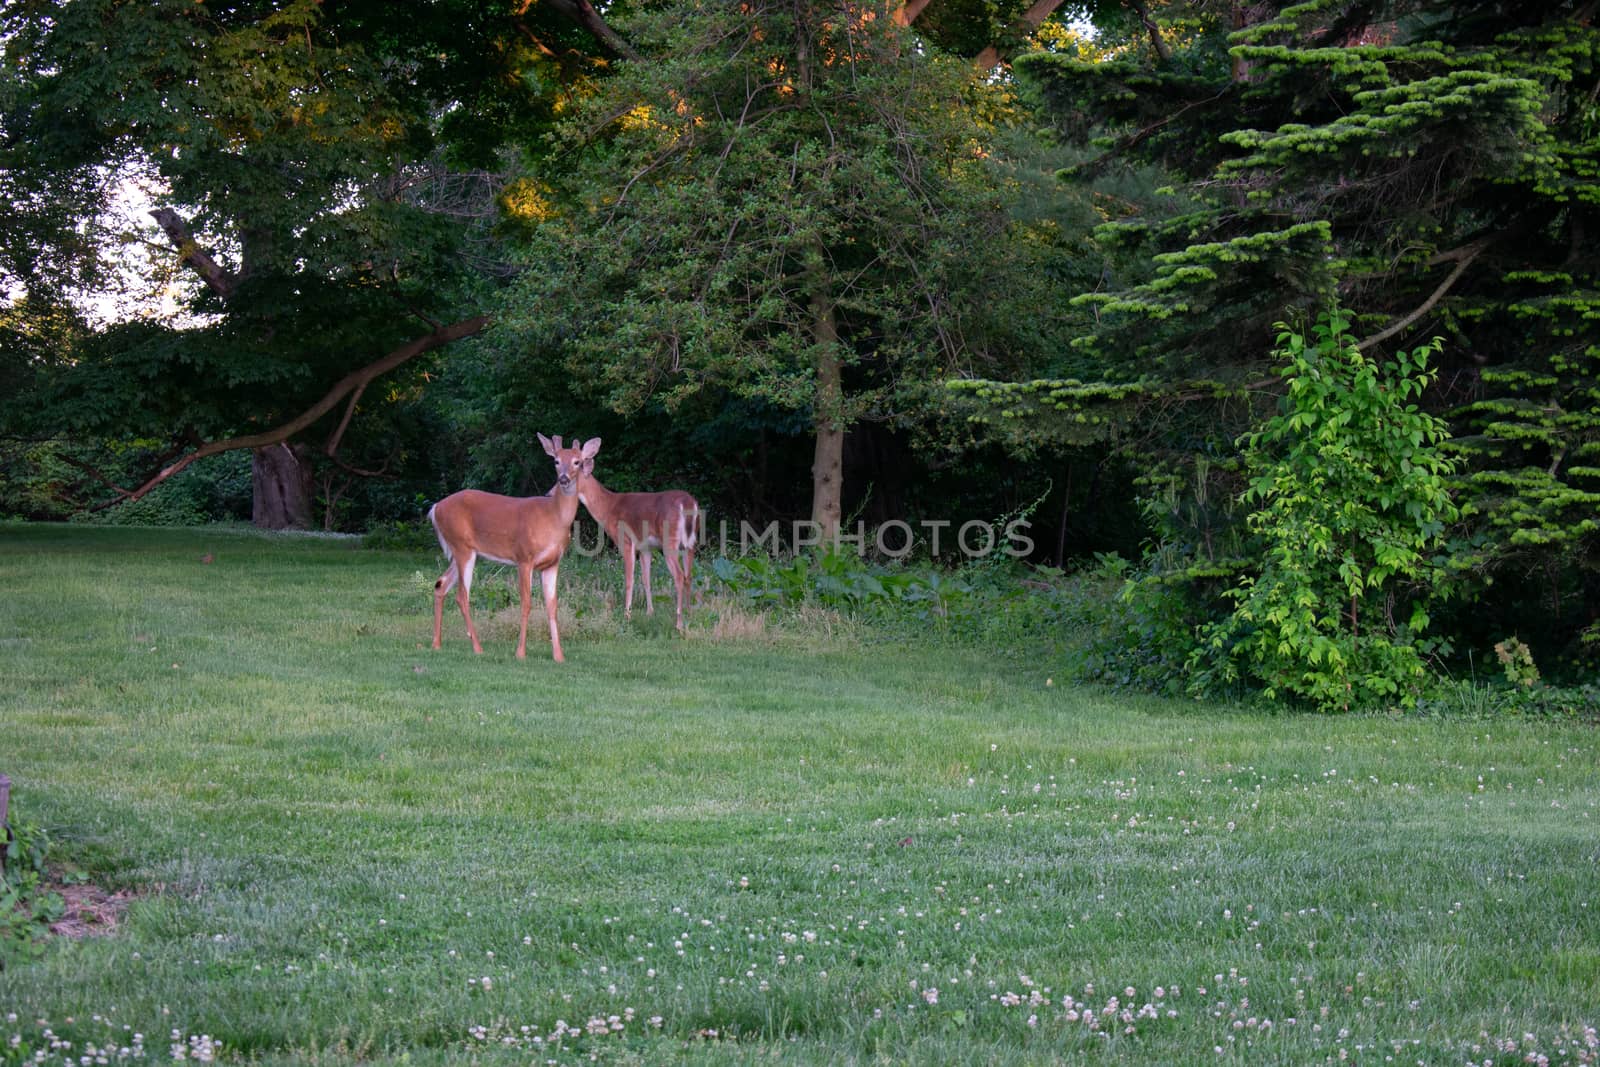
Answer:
[(529, 532), (669, 521)]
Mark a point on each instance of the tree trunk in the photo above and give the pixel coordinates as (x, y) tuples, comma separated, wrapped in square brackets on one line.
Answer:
[(281, 481), (1031, 20), (827, 467)]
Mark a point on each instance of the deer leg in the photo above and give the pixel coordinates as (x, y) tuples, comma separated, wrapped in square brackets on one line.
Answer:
[(441, 589), (687, 596), (547, 579), (649, 597), (674, 562), (628, 548), (525, 588), (464, 570)]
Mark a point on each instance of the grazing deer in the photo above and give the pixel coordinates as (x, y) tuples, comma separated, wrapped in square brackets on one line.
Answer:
[(528, 532), (669, 521)]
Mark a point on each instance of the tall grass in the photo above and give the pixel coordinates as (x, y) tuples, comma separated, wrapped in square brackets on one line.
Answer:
[(772, 838)]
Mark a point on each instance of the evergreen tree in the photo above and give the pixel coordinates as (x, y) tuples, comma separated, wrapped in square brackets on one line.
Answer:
[(1432, 166)]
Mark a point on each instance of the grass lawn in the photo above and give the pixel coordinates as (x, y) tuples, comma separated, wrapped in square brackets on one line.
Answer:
[(801, 842)]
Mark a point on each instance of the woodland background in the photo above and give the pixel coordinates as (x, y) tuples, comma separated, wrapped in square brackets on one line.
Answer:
[(1280, 319)]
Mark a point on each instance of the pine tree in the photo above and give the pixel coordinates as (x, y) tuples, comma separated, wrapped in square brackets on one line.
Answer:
[(1434, 167)]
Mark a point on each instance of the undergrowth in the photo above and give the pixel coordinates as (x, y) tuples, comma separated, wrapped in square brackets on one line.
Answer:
[(1104, 624), (27, 906)]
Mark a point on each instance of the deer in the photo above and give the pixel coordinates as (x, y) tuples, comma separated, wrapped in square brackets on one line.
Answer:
[(530, 533), (669, 521)]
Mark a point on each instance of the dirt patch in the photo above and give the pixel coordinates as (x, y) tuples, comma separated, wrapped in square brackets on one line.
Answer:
[(89, 911)]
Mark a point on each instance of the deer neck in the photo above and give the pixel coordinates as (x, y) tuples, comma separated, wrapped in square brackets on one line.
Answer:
[(600, 501), (566, 503)]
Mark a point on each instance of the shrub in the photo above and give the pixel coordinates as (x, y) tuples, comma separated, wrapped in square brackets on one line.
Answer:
[(997, 602), (1351, 488), (402, 535), (26, 907)]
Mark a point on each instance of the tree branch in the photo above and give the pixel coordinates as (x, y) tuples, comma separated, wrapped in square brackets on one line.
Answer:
[(1136, 138), (332, 447), (360, 472), (216, 277), (907, 13), (1163, 50), (105, 479), (1031, 20), (583, 13), (355, 380), (1464, 257), (1449, 255)]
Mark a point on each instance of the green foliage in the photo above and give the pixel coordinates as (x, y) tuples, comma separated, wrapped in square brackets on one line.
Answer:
[(778, 189), (1128, 630), (217, 489), (319, 155), (50, 479), (31, 477), (1353, 498), (1432, 167), (1532, 440), (1517, 660), (1569, 702), (1481, 700), (414, 535), (1000, 606), (844, 582), (27, 906)]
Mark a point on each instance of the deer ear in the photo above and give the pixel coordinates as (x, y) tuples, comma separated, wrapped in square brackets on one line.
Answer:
[(590, 447), (549, 447)]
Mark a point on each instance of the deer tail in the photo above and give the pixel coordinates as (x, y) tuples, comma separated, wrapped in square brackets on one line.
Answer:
[(444, 545), (688, 524)]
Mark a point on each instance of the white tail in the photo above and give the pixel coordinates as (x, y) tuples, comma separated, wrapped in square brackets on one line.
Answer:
[(669, 521), (531, 533)]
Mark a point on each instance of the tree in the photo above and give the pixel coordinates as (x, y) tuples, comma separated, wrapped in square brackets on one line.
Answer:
[(788, 203), (321, 170), (1427, 165)]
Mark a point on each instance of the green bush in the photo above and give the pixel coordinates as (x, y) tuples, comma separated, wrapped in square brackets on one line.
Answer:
[(216, 489), (998, 602), (401, 535), (1352, 496), (27, 908), (1134, 631), (1482, 700)]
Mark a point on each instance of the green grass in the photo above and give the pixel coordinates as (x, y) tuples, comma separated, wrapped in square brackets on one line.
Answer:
[(768, 846)]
